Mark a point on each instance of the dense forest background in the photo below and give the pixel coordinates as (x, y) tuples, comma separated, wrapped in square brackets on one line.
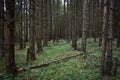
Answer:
[(59, 39)]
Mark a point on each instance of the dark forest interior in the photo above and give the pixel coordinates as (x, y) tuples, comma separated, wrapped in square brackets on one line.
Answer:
[(59, 39)]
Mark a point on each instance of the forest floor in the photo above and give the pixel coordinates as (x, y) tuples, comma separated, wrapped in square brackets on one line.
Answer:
[(76, 68)]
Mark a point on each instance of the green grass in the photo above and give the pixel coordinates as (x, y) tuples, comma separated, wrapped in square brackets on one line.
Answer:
[(71, 69)]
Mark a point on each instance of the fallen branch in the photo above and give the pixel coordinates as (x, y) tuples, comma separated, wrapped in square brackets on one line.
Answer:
[(1, 74), (45, 64)]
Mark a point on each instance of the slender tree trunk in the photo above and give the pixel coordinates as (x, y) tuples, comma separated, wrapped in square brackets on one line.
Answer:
[(54, 21), (27, 21), (101, 19), (51, 19), (25, 17), (110, 40), (21, 26), (2, 27), (91, 17), (57, 21), (32, 31), (103, 47), (95, 20), (116, 20), (73, 24), (68, 21), (39, 26), (64, 19), (85, 24), (45, 23)]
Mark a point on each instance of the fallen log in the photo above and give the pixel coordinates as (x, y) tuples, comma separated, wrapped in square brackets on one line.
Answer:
[(45, 64), (1, 74)]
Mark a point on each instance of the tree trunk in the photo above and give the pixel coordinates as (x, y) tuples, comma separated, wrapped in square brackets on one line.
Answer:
[(25, 23), (110, 40), (85, 24), (51, 19), (103, 40), (73, 24), (45, 23), (32, 30), (9, 37), (21, 26), (2, 27), (68, 21), (101, 15), (39, 26)]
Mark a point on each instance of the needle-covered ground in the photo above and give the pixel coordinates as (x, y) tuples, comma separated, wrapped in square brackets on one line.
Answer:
[(76, 68)]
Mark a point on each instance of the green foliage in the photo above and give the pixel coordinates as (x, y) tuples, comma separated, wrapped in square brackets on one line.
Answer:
[(9, 77), (71, 69)]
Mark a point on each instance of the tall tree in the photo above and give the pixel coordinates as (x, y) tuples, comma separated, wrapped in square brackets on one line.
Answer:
[(101, 3), (103, 47), (73, 24), (110, 39), (9, 37), (85, 23), (107, 40), (50, 19), (2, 27), (45, 22), (116, 28), (21, 25), (25, 22), (68, 36), (32, 31), (39, 26)]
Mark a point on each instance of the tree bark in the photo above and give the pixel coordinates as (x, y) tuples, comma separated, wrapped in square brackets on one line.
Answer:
[(85, 24), (2, 20), (39, 26), (45, 23), (32, 30), (103, 47), (9, 38), (110, 40), (21, 26), (73, 24)]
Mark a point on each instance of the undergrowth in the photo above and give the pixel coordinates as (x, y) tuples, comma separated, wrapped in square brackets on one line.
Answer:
[(76, 68)]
